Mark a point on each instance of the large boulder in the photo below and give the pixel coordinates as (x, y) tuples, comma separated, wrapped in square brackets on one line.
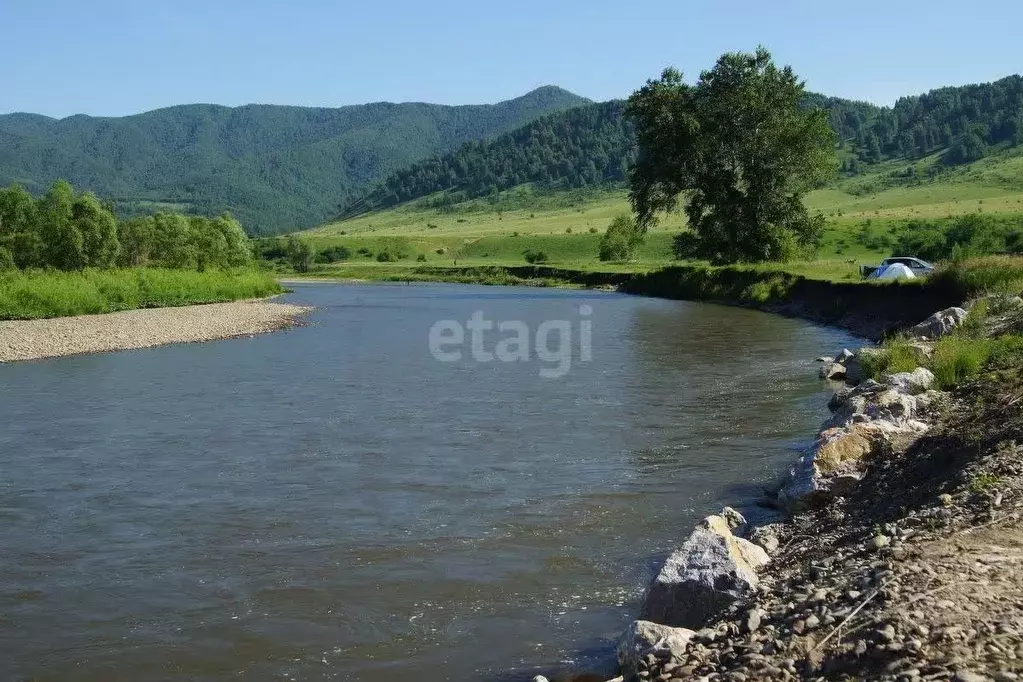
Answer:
[(832, 466), (920, 380), (939, 324), (643, 638), (711, 571)]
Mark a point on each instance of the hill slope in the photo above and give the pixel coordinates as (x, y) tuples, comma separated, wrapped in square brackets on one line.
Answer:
[(593, 145), (276, 167)]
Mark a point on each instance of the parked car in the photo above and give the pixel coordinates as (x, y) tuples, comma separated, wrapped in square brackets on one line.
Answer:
[(919, 268)]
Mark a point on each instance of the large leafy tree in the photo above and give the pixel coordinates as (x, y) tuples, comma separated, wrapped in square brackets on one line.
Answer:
[(740, 152), (63, 243), (98, 228)]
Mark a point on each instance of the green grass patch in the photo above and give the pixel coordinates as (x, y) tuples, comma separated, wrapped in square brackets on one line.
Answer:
[(897, 355), (41, 294)]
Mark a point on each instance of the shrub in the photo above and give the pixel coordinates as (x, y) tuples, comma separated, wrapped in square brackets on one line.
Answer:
[(421, 258), (334, 254), (620, 240), (6, 259), (364, 251), (386, 256), (535, 257)]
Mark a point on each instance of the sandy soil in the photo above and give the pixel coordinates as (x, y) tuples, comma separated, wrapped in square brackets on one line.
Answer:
[(33, 339)]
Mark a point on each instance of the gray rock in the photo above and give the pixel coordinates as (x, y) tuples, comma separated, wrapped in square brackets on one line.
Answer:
[(914, 383), (854, 365), (939, 324), (643, 638), (752, 621), (711, 571), (832, 370), (967, 676), (734, 518), (844, 356)]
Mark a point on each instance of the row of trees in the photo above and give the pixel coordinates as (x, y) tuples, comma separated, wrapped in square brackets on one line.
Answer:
[(66, 230), (962, 237)]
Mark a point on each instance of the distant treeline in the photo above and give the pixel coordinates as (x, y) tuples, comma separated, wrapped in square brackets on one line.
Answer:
[(66, 230), (595, 145)]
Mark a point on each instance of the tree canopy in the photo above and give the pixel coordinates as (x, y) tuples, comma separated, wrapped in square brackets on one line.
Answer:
[(71, 231), (739, 150)]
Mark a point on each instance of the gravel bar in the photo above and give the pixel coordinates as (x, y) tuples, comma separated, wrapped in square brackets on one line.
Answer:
[(34, 339)]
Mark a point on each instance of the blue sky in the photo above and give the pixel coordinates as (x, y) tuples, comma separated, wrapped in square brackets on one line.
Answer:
[(116, 57)]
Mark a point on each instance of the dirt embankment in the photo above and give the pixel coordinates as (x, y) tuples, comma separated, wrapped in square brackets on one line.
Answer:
[(34, 339)]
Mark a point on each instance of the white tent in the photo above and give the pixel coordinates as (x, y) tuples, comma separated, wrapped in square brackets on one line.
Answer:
[(893, 271)]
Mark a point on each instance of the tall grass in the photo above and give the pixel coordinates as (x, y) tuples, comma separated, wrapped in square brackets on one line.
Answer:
[(39, 294), (972, 277)]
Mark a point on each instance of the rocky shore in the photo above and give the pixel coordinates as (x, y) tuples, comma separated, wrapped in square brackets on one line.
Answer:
[(900, 557), (34, 339)]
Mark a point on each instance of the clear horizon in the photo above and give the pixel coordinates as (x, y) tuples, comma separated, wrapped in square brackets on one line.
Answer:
[(117, 58)]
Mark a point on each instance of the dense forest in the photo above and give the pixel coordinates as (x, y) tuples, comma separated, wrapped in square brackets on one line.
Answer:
[(962, 120), (583, 146), (66, 230), (594, 145), (277, 168)]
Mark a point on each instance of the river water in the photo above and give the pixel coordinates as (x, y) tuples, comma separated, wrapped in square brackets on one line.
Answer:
[(333, 502)]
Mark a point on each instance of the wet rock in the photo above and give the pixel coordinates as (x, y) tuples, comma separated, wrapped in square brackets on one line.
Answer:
[(644, 645), (832, 370), (844, 356), (711, 571)]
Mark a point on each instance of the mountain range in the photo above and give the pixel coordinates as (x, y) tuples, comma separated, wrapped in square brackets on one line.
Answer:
[(276, 168), (282, 168)]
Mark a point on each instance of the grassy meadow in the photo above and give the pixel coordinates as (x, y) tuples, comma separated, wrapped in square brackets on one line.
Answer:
[(40, 294), (863, 212)]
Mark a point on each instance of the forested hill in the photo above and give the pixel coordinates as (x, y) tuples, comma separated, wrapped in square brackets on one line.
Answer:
[(594, 145), (276, 168)]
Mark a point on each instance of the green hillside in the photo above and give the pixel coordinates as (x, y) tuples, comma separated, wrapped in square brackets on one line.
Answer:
[(593, 145), (865, 213), (277, 168)]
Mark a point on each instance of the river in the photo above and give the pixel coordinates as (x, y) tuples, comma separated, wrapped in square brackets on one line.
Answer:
[(335, 502)]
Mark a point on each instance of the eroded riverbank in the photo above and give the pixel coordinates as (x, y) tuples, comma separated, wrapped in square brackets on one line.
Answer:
[(145, 328)]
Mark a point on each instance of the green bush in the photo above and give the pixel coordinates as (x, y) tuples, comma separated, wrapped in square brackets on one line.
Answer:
[(620, 240), (334, 254), (386, 256), (535, 257)]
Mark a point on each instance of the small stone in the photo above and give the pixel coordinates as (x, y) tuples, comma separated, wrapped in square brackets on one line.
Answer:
[(880, 542), (967, 676), (799, 626), (812, 622), (887, 633), (753, 618), (540, 678), (861, 647), (945, 499)]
